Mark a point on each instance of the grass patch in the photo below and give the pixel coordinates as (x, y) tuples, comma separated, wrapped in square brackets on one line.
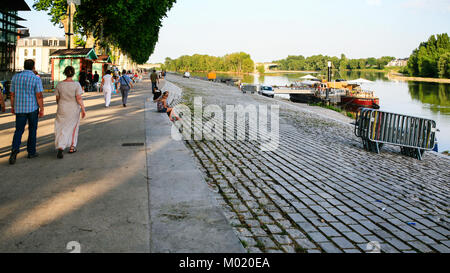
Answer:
[(244, 243), (299, 249), (260, 245), (351, 115), (284, 232), (323, 105)]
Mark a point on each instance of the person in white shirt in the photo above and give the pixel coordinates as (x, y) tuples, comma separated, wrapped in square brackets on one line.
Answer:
[(107, 87)]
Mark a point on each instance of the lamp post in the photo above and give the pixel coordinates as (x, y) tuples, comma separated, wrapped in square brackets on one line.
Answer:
[(69, 29), (329, 80)]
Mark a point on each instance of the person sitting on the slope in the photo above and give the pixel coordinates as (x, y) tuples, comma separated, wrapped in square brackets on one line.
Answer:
[(163, 107)]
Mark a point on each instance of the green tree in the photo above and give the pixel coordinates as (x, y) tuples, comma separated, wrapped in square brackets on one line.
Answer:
[(444, 66), (236, 62), (372, 62), (429, 59), (79, 40), (260, 68), (131, 25)]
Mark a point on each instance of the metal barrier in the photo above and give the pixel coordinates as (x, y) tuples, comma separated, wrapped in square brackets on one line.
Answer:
[(414, 135)]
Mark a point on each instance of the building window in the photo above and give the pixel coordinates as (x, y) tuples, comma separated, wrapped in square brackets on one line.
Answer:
[(26, 52), (25, 42), (50, 42), (55, 43), (34, 43), (34, 52)]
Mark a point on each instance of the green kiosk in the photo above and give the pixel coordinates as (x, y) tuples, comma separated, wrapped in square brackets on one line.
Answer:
[(80, 58)]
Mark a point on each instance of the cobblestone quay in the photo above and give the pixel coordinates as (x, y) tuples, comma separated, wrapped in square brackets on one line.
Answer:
[(320, 191)]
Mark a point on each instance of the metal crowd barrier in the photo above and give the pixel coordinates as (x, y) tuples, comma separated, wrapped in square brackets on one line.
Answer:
[(414, 135)]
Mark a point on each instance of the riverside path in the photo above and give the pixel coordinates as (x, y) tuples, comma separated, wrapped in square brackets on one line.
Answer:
[(129, 188), (320, 191)]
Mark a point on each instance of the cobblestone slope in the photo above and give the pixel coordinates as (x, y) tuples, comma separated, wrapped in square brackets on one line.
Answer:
[(319, 191)]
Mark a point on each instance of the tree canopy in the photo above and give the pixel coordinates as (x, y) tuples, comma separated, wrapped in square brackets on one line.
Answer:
[(320, 62), (431, 58), (131, 25), (240, 62)]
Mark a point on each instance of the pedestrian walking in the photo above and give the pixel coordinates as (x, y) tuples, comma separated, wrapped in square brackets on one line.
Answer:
[(125, 85), (70, 105), (96, 79), (154, 79), (27, 103), (107, 87)]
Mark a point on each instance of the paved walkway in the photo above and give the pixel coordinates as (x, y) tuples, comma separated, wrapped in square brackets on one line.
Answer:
[(184, 216), (97, 196), (101, 196), (320, 191)]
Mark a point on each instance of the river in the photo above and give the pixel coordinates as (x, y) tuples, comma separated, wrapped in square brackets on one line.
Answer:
[(423, 99)]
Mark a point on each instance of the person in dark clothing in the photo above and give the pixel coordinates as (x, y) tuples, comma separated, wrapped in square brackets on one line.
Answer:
[(156, 94), (96, 77), (82, 79), (90, 79)]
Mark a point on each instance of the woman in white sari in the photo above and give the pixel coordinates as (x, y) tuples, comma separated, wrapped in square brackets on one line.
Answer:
[(107, 87), (67, 122)]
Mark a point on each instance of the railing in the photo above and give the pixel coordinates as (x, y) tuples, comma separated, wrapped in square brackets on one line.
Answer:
[(414, 135)]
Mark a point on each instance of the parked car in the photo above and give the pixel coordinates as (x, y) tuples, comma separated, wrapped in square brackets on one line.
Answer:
[(249, 88), (186, 75), (267, 91)]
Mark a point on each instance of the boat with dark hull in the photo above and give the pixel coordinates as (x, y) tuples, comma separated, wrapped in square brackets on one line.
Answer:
[(306, 97)]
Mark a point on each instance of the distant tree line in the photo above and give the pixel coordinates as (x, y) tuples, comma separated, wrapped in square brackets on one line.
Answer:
[(320, 62), (431, 58), (239, 62)]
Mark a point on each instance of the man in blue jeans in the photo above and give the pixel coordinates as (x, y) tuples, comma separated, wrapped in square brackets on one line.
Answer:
[(27, 103)]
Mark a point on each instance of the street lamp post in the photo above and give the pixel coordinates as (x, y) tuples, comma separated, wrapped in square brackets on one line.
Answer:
[(69, 29), (329, 80)]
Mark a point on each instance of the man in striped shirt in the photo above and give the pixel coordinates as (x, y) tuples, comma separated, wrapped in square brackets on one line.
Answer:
[(27, 103)]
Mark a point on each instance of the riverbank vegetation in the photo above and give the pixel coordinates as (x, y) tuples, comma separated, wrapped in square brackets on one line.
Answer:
[(431, 59), (239, 62), (320, 63)]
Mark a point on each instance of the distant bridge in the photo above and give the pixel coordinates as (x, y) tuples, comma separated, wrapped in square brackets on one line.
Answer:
[(267, 66)]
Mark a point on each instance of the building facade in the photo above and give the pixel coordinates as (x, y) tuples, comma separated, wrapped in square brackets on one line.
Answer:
[(38, 49), (398, 62), (9, 34)]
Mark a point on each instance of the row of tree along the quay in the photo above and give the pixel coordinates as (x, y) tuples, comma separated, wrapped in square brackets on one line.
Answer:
[(129, 25)]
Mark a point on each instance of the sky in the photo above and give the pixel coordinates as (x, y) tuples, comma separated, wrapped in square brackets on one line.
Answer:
[(273, 29)]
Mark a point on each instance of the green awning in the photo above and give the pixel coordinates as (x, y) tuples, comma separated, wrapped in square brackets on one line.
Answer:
[(87, 53)]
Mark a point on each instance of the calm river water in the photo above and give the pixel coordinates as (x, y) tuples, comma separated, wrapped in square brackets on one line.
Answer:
[(428, 100)]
